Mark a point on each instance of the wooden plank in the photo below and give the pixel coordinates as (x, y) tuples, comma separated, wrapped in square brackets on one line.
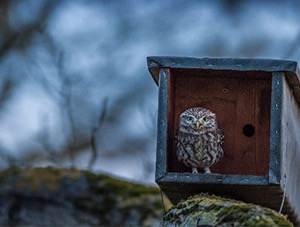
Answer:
[(171, 127), (237, 64), (290, 68), (290, 148), (190, 178), (161, 162), (275, 133)]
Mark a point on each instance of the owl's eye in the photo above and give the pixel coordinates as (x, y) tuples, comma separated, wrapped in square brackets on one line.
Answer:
[(205, 119), (189, 119)]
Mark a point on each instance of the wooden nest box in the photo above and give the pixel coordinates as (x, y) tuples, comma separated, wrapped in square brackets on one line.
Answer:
[(257, 106)]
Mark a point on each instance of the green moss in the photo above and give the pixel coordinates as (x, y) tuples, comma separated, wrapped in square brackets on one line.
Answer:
[(35, 179), (113, 201), (129, 199), (217, 211), (100, 182), (9, 173)]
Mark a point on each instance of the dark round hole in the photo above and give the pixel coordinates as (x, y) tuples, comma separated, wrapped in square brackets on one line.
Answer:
[(225, 90), (248, 130)]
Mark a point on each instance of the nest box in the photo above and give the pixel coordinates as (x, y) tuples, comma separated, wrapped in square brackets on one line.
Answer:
[(257, 106)]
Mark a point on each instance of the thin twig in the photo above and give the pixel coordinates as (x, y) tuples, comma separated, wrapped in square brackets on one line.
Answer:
[(17, 38), (103, 111)]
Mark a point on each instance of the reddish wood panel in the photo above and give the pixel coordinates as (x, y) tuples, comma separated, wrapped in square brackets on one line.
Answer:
[(238, 99)]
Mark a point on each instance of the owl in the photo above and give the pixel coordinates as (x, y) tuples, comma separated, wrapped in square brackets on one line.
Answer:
[(199, 139)]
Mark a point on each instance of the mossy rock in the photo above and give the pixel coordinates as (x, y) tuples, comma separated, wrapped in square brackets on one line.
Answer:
[(71, 197), (206, 210)]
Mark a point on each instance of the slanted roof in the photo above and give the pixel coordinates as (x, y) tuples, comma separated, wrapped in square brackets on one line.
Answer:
[(289, 68)]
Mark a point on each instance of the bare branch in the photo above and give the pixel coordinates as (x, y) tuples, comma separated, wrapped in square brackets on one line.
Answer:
[(6, 91), (96, 129), (24, 35)]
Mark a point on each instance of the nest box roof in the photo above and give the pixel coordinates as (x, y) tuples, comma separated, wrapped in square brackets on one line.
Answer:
[(289, 68)]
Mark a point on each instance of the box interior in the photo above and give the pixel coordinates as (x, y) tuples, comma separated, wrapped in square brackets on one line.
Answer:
[(242, 103)]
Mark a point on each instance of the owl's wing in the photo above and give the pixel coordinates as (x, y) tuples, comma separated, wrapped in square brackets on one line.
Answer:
[(221, 136), (178, 141)]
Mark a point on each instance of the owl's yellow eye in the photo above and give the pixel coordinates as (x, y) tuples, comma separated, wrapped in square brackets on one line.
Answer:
[(205, 119)]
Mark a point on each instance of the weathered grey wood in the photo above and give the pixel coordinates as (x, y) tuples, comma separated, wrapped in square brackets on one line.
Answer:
[(231, 179), (290, 68), (161, 162), (275, 132), (243, 64), (290, 149)]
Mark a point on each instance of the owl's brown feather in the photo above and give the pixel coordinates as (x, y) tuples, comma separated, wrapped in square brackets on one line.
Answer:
[(199, 146)]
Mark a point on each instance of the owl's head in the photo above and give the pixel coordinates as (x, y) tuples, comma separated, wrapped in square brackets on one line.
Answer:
[(197, 120)]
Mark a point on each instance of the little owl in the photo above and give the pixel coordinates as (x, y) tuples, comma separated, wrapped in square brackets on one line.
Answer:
[(199, 139)]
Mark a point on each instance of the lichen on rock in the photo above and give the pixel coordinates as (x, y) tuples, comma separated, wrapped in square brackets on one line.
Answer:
[(209, 210), (71, 197)]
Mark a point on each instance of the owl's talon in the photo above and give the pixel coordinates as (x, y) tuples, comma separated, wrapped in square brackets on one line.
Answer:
[(194, 170), (206, 170)]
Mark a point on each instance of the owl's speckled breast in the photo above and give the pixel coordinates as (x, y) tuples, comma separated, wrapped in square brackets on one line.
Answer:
[(199, 139)]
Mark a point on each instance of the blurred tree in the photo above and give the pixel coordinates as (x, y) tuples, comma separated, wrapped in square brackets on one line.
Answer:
[(60, 61)]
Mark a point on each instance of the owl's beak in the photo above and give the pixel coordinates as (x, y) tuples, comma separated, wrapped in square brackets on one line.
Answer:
[(198, 124)]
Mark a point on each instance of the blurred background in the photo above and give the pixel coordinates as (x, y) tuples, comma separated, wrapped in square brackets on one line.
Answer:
[(74, 85)]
